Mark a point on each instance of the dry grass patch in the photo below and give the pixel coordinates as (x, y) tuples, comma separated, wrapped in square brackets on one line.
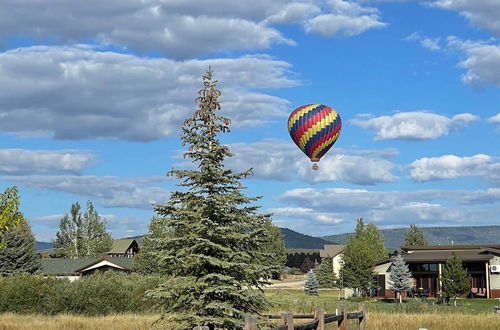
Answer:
[(10, 321), (434, 321)]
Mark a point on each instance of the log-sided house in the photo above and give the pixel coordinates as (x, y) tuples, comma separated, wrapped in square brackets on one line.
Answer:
[(426, 264)]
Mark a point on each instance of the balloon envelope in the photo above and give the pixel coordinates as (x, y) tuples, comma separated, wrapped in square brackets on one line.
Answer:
[(314, 128)]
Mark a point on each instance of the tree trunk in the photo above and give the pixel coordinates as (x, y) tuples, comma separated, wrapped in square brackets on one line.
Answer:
[(400, 297)]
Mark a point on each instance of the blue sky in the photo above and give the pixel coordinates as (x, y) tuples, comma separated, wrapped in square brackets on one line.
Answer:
[(92, 96)]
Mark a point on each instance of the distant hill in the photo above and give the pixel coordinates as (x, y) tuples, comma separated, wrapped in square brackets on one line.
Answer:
[(394, 238), (295, 240), (43, 246)]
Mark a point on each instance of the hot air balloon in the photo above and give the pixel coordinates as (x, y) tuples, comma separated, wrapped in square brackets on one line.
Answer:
[(314, 128)]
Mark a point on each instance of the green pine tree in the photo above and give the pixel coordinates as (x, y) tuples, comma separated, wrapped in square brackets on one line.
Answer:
[(363, 250), (215, 254), (325, 275), (275, 248), (311, 285), (415, 236), (19, 254), (82, 235), (455, 278), (10, 215), (400, 278)]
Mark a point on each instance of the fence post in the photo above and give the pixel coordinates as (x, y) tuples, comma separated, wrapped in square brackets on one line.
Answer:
[(342, 324), (289, 320), (362, 321), (250, 323), (319, 313)]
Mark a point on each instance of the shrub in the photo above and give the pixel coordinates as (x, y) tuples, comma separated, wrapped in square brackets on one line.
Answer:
[(98, 294)]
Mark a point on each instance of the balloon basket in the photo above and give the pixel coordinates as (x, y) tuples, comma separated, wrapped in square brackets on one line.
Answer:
[(315, 167)]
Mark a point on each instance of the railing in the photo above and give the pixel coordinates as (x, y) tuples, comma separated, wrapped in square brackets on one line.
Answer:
[(318, 323)]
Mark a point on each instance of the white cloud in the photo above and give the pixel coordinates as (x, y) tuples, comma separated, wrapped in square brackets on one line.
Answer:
[(482, 13), (109, 190), (416, 125), (426, 42), (23, 161), (393, 208), (79, 92), (451, 166), (179, 29), (182, 29), (344, 19), (495, 119), (280, 160), (482, 61)]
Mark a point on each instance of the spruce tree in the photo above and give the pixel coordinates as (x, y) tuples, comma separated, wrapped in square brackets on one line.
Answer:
[(215, 252), (275, 248), (455, 278), (82, 235), (400, 278), (10, 215), (325, 275), (415, 236), (311, 286), (19, 254)]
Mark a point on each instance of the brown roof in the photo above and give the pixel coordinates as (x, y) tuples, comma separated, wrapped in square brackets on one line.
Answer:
[(442, 256), (330, 251), (450, 247)]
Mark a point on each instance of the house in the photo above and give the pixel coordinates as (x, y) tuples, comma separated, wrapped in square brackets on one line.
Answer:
[(74, 269), (334, 252), (124, 248), (426, 264)]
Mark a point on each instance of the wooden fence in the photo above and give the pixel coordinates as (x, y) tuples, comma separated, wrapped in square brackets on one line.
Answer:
[(318, 323)]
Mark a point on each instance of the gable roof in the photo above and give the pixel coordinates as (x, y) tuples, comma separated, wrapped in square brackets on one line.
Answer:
[(120, 263), (64, 267), (450, 247), (330, 251), (121, 245)]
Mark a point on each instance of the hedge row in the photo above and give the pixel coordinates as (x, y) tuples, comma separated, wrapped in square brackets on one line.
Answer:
[(98, 294)]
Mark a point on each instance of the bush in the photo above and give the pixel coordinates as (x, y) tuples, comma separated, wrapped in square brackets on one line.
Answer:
[(98, 294)]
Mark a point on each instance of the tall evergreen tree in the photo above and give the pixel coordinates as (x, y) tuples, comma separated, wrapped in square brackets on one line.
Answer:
[(311, 286), (455, 278), (10, 215), (275, 248), (400, 279), (362, 251), (215, 254), (19, 254), (415, 236), (82, 235), (325, 275)]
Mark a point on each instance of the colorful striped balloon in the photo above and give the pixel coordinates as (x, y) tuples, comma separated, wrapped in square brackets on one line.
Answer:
[(314, 128)]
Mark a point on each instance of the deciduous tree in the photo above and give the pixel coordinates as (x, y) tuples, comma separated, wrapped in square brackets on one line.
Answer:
[(216, 253), (82, 235), (10, 215), (362, 251)]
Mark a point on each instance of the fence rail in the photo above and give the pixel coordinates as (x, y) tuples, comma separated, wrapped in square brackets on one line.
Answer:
[(318, 323)]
